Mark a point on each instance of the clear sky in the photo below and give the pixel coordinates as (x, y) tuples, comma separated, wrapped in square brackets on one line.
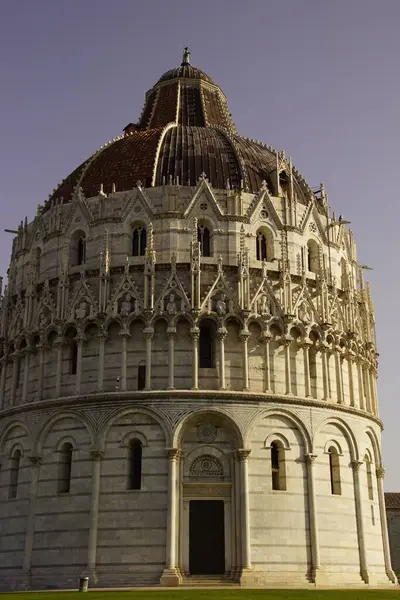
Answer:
[(318, 78)]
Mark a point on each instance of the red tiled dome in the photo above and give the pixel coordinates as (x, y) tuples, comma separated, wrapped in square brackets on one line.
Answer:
[(185, 130)]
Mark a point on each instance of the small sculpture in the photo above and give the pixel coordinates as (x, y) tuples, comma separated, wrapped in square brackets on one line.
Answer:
[(126, 305), (221, 306), (81, 311), (171, 305)]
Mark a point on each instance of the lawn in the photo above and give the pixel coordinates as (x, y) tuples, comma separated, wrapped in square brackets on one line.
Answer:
[(213, 594)]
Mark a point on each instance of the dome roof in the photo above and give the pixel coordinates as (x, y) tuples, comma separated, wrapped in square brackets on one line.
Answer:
[(185, 71), (185, 130)]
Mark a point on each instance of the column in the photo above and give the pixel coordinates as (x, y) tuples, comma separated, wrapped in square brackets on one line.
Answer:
[(313, 516), (339, 380), (195, 333), (350, 359), (244, 337), (27, 353), (171, 334), (3, 381), (306, 356), (323, 349), (288, 375), (356, 465), (170, 576), (221, 336), (42, 355), (100, 374), (30, 525), (80, 340), (374, 391), (267, 367), (124, 337), (59, 346), (96, 456), (361, 385), (367, 389), (238, 511), (148, 334), (380, 473), (244, 503), (14, 376)]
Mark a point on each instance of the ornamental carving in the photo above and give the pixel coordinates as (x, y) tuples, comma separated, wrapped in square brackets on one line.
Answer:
[(206, 466)]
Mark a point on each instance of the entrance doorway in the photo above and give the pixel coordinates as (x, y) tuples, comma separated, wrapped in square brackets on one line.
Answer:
[(206, 537)]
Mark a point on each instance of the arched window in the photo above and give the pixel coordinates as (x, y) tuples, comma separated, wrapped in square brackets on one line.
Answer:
[(334, 468), (139, 241), (38, 256), (135, 465), (77, 251), (261, 246), (207, 345), (81, 251), (343, 274), (64, 468), (369, 477), (278, 470), (204, 237), (312, 256), (141, 381), (74, 357), (14, 473)]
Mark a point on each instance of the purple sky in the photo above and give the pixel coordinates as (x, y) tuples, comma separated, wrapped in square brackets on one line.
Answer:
[(316, 78)]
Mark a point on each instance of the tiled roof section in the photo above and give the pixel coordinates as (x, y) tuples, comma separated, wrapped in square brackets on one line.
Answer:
[(186, 72), (392, 499), (124, 163), (187, 152), (259, 162), (148, 109), (65, 189), (212, 105), (166, 106), (190, 107)]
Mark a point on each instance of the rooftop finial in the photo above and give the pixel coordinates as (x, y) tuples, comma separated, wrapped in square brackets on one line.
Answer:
[(186, 57)]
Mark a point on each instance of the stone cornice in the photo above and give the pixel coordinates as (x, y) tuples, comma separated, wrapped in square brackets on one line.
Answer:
[(152, 397)]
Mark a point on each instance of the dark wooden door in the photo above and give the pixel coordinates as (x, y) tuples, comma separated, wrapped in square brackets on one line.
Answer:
[(206, 537)]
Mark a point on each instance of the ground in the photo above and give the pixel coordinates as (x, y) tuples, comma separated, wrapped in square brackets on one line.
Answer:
[(213, 594)]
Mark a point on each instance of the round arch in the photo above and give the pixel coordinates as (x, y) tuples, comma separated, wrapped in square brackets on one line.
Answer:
[(345, 430), (281, 412), (121, 412), (194, 416), (7, 430), (48, 424)]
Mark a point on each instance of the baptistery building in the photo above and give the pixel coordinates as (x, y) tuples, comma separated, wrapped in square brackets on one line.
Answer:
[(188, 369)]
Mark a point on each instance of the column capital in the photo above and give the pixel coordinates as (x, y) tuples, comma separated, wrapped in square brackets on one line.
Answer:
[(124, 334), (222, 333), (380, 473), (356, 465), (174, 454), (171, 332), (244, 335), (242, 454), (195, 333), (80, 339), (148, 332), (35, 460), (96, 455), (265, 337), (310, 458)]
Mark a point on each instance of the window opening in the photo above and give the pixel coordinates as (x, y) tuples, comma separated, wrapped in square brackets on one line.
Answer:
[(203, 236), (139, 241), (206, 347), (64, 468), (261, 246), (141, 384), (135, 465), (14, 474), (334, 468)]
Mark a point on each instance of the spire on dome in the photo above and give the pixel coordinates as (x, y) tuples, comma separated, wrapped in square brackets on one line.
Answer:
[(186, 57)]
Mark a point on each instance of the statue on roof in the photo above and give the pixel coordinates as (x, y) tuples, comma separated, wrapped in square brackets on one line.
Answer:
[(186, 57)]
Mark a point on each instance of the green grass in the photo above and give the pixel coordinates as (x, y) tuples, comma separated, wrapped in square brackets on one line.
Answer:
[(213, 594)]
